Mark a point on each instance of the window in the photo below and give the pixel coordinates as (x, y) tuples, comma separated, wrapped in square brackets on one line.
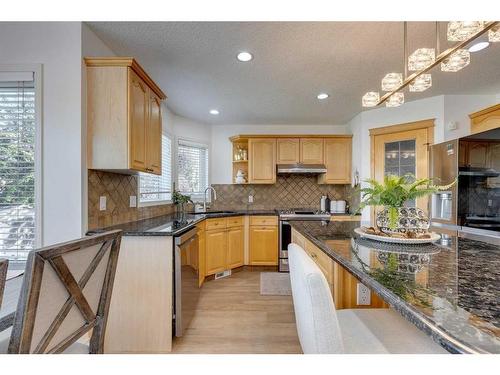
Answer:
[(17, 164), (192, 168), (158, 189)]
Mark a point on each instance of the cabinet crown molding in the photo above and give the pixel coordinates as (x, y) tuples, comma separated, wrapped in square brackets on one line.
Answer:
[(126, 62), (239, 137)]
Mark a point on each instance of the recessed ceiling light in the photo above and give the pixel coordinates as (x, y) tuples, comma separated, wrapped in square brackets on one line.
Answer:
[(214, 112), (244, 56), (478, 46), (322, 96)]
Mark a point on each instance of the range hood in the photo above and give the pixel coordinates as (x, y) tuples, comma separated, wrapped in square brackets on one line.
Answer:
[(299, 168)]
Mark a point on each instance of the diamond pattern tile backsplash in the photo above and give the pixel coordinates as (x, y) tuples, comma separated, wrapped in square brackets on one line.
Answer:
[(117, 188), (289, 191)]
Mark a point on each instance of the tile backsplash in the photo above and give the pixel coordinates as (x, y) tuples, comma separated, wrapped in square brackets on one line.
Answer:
[(289, 191), (117, 188)]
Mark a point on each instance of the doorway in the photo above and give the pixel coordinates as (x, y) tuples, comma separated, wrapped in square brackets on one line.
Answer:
[(402, 149)]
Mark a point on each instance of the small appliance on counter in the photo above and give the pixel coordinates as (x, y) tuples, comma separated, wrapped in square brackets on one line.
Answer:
[(338, 207), (471, 208)]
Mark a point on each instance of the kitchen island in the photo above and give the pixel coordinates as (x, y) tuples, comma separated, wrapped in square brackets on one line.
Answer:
[(449, 289)]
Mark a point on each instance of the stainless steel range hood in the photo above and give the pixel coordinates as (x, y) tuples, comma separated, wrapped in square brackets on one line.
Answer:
[(301, 168)]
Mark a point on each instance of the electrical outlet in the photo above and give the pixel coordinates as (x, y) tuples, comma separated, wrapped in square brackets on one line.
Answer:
[(133, 201), (363, 295), (102, 203), (250, 199)]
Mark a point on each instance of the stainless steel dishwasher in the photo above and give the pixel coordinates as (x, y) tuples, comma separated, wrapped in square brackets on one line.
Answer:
[(185, 282)]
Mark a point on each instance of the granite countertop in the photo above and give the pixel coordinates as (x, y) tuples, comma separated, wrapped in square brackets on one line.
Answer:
[(449, 289), (173, 224)]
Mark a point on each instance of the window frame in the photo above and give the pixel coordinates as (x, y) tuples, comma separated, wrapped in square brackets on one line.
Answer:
[(38, 79), (196, 197), (172, 178)]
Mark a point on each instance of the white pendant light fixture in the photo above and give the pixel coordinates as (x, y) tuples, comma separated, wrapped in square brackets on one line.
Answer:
[(458, 31), (395, 100), (457, 61), (421, 58), (421, 83), (494, 34), (370, 99), (391, 81)]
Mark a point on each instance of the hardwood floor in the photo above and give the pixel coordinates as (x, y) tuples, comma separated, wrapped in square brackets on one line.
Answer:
[(230, 316)]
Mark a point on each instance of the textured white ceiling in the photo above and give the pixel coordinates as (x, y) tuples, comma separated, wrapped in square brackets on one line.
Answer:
[(195, 64)]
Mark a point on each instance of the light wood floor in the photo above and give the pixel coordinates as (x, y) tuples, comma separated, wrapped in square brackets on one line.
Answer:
[(230, 316)]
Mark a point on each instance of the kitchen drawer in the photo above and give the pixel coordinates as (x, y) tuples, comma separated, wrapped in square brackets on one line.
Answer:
[(236, 221), (213, 224), (324, 262), (201, 227), (264, 220)]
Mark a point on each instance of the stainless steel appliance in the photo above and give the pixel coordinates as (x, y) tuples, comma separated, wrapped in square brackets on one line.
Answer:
[(472, 206), (185, 281), (285, 230), (299, 168)]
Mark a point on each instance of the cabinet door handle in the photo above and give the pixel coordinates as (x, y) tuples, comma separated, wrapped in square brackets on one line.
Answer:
[(313, 255)]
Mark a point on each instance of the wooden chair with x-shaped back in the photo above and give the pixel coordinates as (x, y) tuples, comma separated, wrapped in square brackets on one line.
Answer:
[(66, 293)]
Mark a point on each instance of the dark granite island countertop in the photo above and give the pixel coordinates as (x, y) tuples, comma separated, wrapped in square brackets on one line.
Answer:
[(173, 224), (449, 289)]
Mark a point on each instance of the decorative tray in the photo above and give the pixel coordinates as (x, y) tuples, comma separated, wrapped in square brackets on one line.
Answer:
[(432, 238)]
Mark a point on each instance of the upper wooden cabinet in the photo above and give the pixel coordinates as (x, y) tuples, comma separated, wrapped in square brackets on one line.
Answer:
[(123, 117), (311, 150), (485, 119), (262, 160), (337, 156), (288, 150), (266, 151)]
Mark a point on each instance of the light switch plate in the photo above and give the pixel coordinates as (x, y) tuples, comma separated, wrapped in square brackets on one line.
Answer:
[(102, 203), (133, 201), (250, 199)]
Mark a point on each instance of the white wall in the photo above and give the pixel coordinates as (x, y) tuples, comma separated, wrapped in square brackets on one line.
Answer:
[(221, 157), (443, 109), (92, 46), (57, 47)]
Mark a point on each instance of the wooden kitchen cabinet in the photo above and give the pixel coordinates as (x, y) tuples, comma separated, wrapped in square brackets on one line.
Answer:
[(224, 244), (215, 251), (263, 237), (288, 150), (337, 157), (311, 150), (201, 253), (262, 160), (235, 247), (124, 124)]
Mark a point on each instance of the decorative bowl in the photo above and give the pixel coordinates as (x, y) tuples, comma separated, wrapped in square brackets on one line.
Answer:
[(410, 219)]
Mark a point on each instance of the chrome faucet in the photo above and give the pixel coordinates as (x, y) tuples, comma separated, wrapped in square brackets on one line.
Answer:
[(205, 197)]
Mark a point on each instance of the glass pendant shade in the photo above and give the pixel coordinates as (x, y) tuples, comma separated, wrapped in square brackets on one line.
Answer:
[(494, 34), (392, 81), (458, 60), (395, 100), (421, 59), (459, 31), (370, 99), (421, 83)]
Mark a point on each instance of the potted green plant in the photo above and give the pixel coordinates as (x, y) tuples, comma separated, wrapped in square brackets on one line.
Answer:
[(180, 200), (395, 191)]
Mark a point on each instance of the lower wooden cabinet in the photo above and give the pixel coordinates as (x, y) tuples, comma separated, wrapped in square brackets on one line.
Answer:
[(342, 283), (216, 249), (235, 247), (263, 245), (224, 244)]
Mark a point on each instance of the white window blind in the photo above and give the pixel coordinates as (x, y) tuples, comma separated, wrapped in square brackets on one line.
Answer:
[(17, 167), (154, 188), (192, 168)]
